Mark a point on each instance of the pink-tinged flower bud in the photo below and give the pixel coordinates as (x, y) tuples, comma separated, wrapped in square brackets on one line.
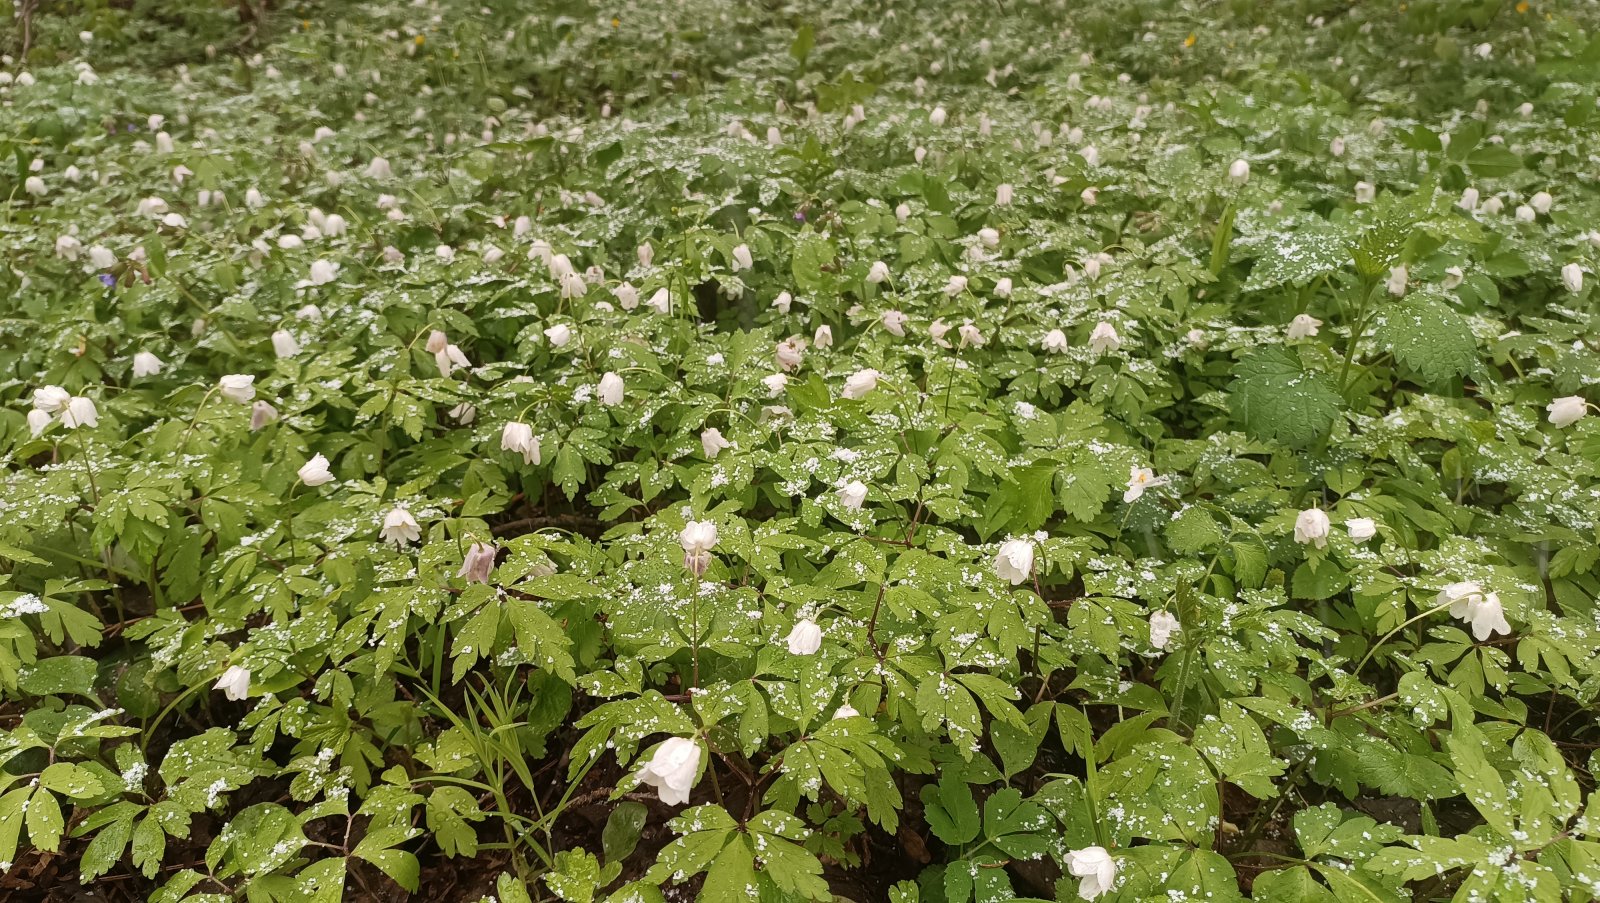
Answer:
[(478, 563)]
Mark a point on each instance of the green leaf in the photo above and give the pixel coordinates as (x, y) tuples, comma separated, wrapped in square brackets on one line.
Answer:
[(950, 809), (1429, 337), (1193, 530), (804, 40), (1276, 398), (576, 876), (622, 830), (71, 780), (1235, 744), (1296, 256)]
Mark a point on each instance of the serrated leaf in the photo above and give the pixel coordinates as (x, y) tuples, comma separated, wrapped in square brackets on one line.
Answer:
[(1429, 337), (1278, 399)]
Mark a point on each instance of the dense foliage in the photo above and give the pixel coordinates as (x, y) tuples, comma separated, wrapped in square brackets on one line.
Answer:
[(694, 450)]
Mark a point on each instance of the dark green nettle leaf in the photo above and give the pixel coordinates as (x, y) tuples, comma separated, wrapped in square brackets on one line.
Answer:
[(1276, 398), (1429, 337)]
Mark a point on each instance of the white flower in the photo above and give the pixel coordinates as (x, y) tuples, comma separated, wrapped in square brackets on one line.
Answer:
[(445, 253), (776, 384), (1089, 196), (68, 247), (80, 411), (1336, 146), (478, 563), (152, 206), (805, 638), (1104, 338), (102, 258), (610, 389), (823, 337), (902, 212), (1239, 172), (1014, 561), (559, 335), (399, 527), (1002, 287), (878, 272), (1140, 479), (698, 536), (145, 364), (660, 302), (34, 186), (379, 169), (627, 296), (284, 344), (852, 494), (1469, 603), (1311, 527), (261, 414), (38, 422), (860, 383), (1055, 342), (519, 438), (894, 321), (1163, 624), (1469, 200), (937, 330), (50, 399), (1525, 214), (1361, 528), (1493, 206), (1567, 411), (712, 442), (1003, 195), (448, 358), (646, 254), (315, 472), (741, 258), (845, 711), (1095, 867), (970, 336), (234, 683), (673, 770), (989, 238), (783, 302), (1453, 276), (955, 286), (789, 353), (1397, 280), (938, 116), (1542, 202), (464, 413), (175, 221), (1303, 326), (1572, 277), (239, 388), (253, 199), (324, 272), (1365, 192)]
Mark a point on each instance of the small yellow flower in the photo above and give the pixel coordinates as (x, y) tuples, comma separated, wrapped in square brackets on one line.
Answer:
[(305, 24), (420, 40), (1189, 41), (616, 22), (1523, 7)]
